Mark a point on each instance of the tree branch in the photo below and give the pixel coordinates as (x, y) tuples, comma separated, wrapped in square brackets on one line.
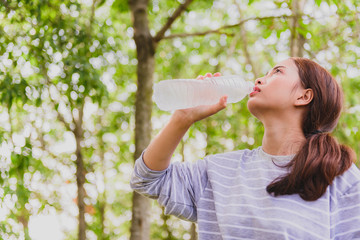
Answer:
[(219, 30), (92, 15), (43, 144), (245, 44), (6, 4), (79, 122), (160, 35), (293, 37), (59, 115), (62, 119)]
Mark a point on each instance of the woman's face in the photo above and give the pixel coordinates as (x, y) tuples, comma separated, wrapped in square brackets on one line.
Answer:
[(277, 91)]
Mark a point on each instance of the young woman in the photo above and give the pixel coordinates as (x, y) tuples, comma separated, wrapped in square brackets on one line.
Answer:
[(300, 184)]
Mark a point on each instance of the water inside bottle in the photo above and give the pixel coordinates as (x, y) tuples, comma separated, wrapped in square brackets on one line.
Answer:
[(185, 93)]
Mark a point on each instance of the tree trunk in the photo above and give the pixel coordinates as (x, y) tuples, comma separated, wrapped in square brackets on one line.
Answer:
[(23, 214), (297, 40), (145, 47), (193, 232), (102, 206), (244, 43), (102, 196), (80, 180), (80, 174), (80, 169), (24, 220), (165, 227)]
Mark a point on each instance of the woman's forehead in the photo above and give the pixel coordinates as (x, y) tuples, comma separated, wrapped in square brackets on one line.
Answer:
[(287, 63)]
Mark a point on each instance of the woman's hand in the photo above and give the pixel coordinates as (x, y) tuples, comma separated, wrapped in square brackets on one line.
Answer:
[(189, 116), (158, 154)]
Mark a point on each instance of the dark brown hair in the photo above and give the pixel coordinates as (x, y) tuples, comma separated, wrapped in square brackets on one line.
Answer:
[(321, 158)]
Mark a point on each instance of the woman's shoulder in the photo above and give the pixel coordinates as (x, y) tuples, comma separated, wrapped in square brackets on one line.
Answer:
[(227, 164), (349, 181), (233, 156), (352, 175)]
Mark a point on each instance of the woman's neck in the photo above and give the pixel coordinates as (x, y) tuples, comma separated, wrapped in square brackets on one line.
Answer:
[(282, 138)]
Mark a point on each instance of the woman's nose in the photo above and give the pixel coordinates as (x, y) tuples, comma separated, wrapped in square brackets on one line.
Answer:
[(258, 81)]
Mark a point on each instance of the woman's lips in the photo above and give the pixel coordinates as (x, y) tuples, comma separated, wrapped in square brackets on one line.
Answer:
[(255, 90)]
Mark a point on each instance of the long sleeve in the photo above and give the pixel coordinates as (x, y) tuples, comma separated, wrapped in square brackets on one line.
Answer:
[(177, 188)]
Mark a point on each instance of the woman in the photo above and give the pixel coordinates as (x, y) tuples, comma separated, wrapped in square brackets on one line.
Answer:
[(300, 184)]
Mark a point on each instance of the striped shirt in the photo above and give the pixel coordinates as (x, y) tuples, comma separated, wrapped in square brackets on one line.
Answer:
[(226, 195)]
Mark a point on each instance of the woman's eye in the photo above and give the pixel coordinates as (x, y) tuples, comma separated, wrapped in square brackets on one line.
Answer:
[(277, 71)]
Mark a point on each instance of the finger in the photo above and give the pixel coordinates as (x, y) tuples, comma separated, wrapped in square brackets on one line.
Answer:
[(200, 77), (217, 74), (223, 101), (220, 105), (208, 75)]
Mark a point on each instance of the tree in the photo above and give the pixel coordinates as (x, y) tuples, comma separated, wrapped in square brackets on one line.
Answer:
[(78, 75), (145, 48), (61, 54)]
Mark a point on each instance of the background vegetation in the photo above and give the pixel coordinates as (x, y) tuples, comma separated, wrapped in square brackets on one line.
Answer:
[(76, 81)]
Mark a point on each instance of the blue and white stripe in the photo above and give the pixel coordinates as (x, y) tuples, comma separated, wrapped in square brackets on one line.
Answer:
[(226, 195)]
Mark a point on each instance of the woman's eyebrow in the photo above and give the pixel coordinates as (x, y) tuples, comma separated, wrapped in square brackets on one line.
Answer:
[(277, 67)]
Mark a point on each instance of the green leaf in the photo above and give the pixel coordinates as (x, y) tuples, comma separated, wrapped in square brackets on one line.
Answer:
[(318, 2), (121, 6), (267, 33)]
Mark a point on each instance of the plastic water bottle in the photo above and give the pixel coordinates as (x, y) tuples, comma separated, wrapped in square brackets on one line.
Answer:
[(186, 93)]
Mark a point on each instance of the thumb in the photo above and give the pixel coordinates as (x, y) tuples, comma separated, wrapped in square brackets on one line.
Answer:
[(211, 109), (220, 105), (223, 102)]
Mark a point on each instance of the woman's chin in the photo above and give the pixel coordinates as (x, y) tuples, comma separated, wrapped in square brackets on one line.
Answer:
[(258, 108), (252, 106)]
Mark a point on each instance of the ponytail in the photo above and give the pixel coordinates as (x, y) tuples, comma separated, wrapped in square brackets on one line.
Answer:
[(313, 168)]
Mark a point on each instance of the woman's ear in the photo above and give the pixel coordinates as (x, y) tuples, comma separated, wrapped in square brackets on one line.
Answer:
[(306, 96)]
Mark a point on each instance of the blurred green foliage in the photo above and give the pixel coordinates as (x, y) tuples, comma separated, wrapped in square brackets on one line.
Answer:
[(57, 56)]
